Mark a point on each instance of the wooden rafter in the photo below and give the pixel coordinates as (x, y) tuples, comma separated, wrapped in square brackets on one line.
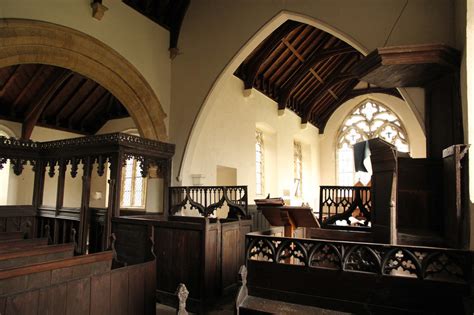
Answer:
[(74, 102), (306, 66), (64, 97), (27, 88), (323, 117), (49, 89), (284, 98), (86, 105), (251, 69), (326, 88), (96, 110), (10, 79)]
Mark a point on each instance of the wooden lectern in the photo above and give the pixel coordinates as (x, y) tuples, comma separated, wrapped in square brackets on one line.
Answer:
[(290, 217)]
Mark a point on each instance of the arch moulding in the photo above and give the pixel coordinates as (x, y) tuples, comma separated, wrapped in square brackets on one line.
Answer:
[(29, 41)]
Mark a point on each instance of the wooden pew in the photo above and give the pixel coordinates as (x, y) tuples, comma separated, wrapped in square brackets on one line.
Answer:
[(36, 276), (79, 285), (7, 246), (28, 256), (8, 236)]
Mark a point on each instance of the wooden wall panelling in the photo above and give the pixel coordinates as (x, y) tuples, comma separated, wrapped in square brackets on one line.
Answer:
[(420, 197), (455, 217), (119, 292), (201, 253), (443, 114), (53, 299), (25, 304), (136, 291), (230, 238), (384, 163), (78, 296), (101, 299)]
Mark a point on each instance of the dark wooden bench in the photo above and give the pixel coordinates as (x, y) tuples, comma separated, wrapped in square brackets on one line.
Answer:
[(11, 245), (7, 236), (79, 285), (28, 256)]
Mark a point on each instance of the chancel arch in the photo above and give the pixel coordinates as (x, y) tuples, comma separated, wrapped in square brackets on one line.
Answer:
[(36, 42)]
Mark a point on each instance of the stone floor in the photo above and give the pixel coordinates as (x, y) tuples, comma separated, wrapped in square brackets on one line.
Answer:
[(223, 307), (226, 307)]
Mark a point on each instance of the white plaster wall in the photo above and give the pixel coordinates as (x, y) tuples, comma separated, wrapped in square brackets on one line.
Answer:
[(117, 125), (415, 133), (469, 99), (216, 34), (141, 41), (228, 138)]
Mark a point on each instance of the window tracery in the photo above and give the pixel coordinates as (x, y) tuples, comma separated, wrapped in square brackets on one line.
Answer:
[(367, 121)]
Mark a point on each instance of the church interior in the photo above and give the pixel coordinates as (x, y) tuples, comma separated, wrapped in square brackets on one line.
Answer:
[(245, 157)]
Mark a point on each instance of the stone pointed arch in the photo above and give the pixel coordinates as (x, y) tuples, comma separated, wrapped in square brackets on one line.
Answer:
[(30, 41)]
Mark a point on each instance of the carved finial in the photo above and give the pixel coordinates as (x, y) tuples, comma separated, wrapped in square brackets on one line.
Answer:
[(243, 275), (182, 294), (98, 10)]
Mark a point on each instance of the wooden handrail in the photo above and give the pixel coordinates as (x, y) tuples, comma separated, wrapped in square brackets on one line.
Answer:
[(24, 243), (57, 264), (41, 250)]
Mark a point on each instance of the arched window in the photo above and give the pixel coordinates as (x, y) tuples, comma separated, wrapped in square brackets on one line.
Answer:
[(298, 168), (133, 194), (259, 165), (367, 121)]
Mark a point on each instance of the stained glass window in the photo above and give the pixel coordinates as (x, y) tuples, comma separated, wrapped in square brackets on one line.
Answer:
[(259, 165), (367, 121), (133, 185)]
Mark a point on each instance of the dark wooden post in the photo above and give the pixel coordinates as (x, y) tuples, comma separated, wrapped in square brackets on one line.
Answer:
[(115, 186), (166, 184), (384, 185), (456, 213), (61, 184), (38, 190), (85, 198)]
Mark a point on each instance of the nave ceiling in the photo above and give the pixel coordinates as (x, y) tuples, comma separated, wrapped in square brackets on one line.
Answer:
[(54, 97), (306, 70)]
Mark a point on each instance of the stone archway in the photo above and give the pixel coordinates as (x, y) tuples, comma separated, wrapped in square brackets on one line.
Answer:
[(28, 41)]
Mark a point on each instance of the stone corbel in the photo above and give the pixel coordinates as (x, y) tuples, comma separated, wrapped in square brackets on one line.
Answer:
[(98, 9)]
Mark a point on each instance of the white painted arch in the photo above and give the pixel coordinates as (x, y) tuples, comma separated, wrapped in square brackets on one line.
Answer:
[(210, 100)]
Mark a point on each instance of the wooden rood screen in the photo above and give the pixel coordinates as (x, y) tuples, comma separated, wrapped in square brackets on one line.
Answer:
[(358, 277), (89, 227)]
